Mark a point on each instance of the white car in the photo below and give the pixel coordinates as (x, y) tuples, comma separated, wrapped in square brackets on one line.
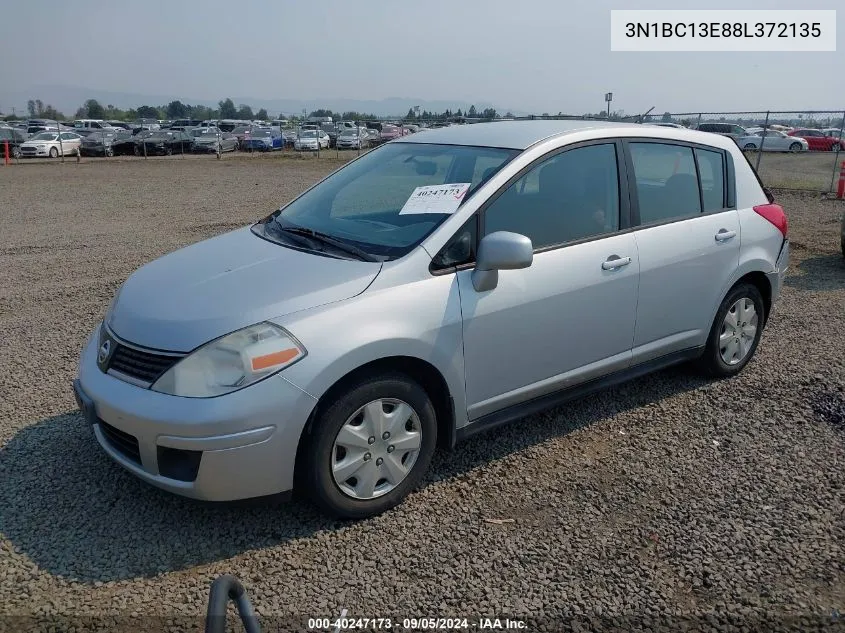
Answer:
[(774, 141), (311, 140), (52, 144)]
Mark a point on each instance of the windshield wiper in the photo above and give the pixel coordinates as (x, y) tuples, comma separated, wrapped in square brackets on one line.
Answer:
[(331, 241)]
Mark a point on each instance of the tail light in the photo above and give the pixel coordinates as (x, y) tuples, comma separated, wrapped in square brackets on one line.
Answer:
[(775, 214)]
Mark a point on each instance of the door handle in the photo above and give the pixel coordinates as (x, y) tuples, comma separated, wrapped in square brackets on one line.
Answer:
[(614, 261), (724, 235)]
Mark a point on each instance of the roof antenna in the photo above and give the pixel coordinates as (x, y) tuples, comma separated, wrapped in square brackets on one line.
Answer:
[(643, 116)]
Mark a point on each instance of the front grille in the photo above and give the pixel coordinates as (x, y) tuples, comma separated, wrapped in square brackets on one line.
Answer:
[(123, 443), (140, 364)]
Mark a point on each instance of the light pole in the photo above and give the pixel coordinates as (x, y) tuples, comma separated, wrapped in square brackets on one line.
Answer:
[(608, 97)]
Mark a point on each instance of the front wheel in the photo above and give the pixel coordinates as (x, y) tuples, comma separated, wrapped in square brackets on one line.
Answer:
[(735, 333), (168, 150), (370, 447), (54, 153), (16, 152), (795, 147)]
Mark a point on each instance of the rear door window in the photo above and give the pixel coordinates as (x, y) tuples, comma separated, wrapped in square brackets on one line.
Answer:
[(711, 172), (666, 182)]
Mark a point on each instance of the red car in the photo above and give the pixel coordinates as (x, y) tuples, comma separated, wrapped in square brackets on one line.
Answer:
[(819, 141)]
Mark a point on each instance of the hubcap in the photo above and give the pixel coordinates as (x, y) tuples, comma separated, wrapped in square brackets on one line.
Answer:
[(376, 448), (739, 330)]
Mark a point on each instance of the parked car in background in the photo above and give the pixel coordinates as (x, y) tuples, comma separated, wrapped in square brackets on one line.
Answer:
[(390, 132), (52, 144), (311, 140), (289, 137), (34, 126), (128, 145), (373, 137), (207, 142), (102, 144), (834, 132), (214, 376), (353, 138), (15, 138), (819, 140), (91, 124), (773, 141), (121, 125), (166, 142), (241, 132), (731, 130), (262, 140)]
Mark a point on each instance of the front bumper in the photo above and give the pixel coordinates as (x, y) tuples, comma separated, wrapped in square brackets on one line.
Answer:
[(235, 446), (27, 152)]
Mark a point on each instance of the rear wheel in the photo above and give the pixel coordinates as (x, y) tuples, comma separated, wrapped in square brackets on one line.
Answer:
[(735, 333), (795, 147), (749, 146), (370, 447)]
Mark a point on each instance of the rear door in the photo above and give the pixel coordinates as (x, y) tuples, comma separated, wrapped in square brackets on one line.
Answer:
[(688, 242)]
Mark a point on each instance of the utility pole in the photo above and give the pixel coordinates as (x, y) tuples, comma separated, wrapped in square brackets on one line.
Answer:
[(608, 97)]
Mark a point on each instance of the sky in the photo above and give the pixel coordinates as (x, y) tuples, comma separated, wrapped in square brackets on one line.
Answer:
[(530, 55)]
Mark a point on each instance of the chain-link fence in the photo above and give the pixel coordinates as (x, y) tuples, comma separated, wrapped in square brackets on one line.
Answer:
[(793, 150), (789, 149)]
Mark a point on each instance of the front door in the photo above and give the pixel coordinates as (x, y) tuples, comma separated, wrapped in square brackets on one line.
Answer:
[(569, 317)]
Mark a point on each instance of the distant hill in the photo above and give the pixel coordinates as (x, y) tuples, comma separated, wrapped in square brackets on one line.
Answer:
[(68, 98)]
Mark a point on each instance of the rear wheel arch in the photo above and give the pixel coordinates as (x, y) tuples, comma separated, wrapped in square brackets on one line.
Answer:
[(763, 285), (420, 371)]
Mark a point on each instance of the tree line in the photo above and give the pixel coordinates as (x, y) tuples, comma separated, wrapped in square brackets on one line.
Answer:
[(226, 109)]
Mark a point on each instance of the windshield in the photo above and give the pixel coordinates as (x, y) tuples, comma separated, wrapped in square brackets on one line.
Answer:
[(44, 136), (308, 134), (349, 133), (362, 204)]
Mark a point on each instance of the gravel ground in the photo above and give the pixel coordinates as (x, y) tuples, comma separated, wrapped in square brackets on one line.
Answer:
[(670, 501)]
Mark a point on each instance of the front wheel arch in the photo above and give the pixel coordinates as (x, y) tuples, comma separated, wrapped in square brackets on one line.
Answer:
[(416, 369)]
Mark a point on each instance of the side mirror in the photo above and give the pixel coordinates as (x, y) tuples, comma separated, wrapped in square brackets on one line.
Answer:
[(501, 250)]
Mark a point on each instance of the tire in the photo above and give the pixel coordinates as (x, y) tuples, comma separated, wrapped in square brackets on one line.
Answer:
[(109, 152), (749, 146), (795, 147), (713, 362), (168, 150), (316, 475), (137, 151), (54, 153), (16, 152)]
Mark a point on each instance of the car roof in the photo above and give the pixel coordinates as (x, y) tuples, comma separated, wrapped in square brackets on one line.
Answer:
[(510, 134)]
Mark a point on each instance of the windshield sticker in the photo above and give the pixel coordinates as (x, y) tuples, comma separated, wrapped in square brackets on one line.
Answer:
[(436, 199)]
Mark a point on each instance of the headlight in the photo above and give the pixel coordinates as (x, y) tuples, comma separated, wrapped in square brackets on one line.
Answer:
[(232, 362)]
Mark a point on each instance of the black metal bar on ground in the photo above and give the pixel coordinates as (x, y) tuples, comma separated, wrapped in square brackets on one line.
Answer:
[(223, 589)]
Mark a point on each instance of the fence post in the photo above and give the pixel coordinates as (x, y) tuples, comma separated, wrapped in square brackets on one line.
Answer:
[(61, 145), (762, 142), (698, 123), (836, 154), (6, 152), (358, 130)]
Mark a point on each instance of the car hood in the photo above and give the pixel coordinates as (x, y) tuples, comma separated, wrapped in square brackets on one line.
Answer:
[(214, 287)]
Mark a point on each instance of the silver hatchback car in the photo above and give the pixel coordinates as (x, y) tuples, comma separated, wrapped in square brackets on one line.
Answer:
[(437, 286)]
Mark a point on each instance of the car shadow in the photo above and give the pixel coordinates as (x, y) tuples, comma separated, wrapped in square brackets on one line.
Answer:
[(822, 272), (66, 506)]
